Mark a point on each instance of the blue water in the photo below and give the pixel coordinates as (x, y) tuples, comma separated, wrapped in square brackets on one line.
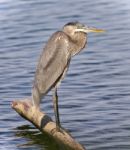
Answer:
[(94, 98)]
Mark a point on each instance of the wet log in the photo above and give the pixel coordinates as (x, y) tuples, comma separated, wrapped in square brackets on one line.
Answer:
[(45, 124)]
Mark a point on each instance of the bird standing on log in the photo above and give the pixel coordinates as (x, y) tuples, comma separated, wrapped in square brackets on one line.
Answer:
[(55, 59)]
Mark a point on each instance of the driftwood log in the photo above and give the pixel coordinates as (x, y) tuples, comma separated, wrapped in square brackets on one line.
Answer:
[(45, 124)]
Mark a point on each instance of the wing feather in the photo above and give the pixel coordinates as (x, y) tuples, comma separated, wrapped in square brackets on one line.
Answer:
[(52, 63)]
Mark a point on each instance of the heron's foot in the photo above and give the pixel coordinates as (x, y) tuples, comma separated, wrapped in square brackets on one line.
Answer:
[(59, 129)]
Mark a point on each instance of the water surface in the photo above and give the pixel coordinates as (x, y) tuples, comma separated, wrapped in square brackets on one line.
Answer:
[(94, 98)]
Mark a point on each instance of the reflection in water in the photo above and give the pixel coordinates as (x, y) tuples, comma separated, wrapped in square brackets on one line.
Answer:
[(33, 138)]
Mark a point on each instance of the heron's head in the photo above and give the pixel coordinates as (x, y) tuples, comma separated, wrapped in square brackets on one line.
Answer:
[(73, 28)]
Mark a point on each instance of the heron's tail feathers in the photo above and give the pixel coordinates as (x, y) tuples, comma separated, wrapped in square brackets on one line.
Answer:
[(36, 96)]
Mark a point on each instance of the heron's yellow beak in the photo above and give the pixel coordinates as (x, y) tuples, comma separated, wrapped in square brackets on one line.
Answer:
[(89, 29)]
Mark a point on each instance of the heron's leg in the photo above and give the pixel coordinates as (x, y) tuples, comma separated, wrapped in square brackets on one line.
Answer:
[(56, 109)]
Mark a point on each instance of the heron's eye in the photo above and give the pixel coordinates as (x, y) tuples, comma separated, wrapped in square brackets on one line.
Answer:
[(79, 26)]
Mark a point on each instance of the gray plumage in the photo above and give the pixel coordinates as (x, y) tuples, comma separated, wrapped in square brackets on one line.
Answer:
[(54, 61)]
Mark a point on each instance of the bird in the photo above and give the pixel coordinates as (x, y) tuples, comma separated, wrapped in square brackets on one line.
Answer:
[(54, 62)]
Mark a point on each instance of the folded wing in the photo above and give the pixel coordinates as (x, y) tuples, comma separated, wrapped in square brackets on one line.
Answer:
[(52, 63)]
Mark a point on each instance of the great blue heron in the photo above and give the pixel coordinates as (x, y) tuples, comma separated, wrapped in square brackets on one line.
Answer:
[(55, 59)]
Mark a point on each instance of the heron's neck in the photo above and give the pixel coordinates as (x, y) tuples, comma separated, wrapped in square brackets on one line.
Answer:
[(78, 43)]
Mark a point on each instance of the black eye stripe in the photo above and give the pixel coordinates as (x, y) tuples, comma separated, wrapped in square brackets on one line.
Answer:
[(72, 23), (76, 23)]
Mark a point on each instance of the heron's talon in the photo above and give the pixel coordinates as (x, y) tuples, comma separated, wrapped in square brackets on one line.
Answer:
[(59, 129)]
